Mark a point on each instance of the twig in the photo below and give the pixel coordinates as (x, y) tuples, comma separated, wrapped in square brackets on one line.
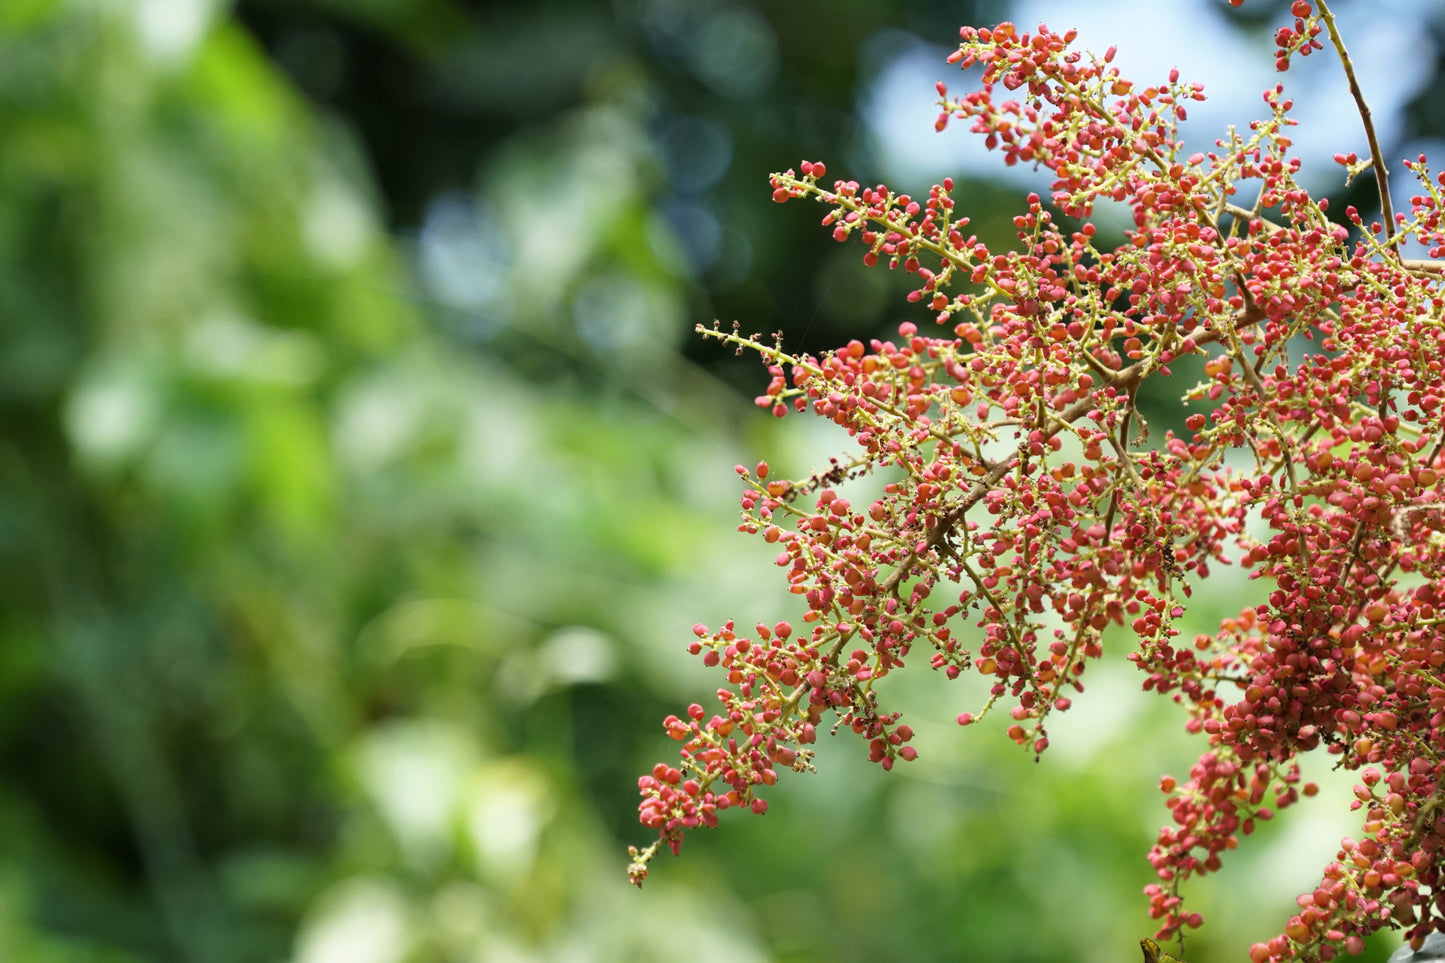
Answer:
[(1382, 176)]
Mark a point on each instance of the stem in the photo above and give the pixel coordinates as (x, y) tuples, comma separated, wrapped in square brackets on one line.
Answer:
[(1382, 177)]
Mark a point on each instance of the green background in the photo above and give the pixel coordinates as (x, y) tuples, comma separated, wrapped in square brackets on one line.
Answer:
[(362, 477)]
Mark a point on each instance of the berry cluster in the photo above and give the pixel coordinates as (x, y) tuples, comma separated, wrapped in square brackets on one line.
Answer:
[(1026, 497)]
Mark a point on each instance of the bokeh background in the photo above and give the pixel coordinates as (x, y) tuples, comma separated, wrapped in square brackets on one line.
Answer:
[(361, 478)]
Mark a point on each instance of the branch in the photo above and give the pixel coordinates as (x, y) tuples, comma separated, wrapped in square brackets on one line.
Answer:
[(1377, 160)]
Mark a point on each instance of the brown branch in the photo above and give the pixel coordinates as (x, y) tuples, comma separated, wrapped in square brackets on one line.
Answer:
[(1382, 176)]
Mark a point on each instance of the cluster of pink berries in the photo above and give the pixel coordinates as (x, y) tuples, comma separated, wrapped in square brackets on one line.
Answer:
[(1027, 506)]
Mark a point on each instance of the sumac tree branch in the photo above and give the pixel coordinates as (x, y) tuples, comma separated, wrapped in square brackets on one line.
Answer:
[(1028, 509)]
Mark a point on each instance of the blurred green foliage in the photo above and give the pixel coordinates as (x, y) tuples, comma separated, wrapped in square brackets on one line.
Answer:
[(361, 480)]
